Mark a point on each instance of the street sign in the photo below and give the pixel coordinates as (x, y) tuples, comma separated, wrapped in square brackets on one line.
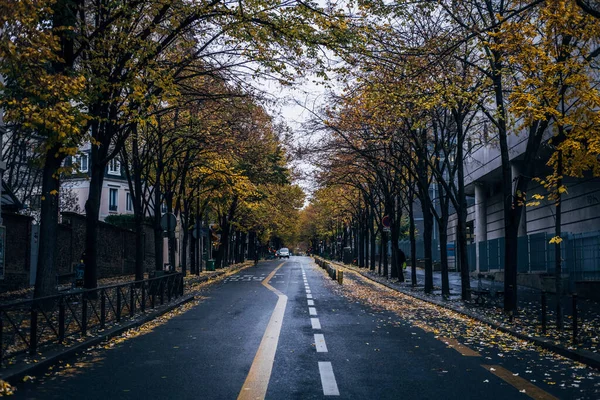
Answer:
[(386, 222), (168, 222)]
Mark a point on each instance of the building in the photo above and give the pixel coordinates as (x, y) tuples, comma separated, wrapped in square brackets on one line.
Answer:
[(115, 198), (580, 219)]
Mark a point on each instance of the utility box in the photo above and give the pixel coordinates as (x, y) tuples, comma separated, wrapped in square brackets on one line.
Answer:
[(210, 265)]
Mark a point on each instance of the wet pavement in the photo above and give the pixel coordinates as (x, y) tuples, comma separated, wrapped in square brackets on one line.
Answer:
[(527, 322)]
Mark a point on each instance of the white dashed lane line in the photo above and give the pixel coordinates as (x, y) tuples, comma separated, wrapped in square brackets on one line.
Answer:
[(320, 343), (316, 324), (328, 379)]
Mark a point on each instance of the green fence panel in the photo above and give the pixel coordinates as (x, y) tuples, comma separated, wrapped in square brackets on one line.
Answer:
[(586, 252), (472, 256), (523, 254), (538, 252), (483, 257), (494, 254)]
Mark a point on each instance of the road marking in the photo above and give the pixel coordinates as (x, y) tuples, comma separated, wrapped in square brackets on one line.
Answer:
[(320, 343), (523, 385), (328, 382), (309, 296), (312, 311), (316, 324), (461, 348), (308, 291), (257, 381), (311, 302)]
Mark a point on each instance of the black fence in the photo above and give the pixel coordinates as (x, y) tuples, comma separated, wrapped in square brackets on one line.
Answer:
[(29, 325)]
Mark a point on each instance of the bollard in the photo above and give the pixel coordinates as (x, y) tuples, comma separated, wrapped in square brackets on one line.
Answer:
[(543, 311), (574, 318), (340, 277)]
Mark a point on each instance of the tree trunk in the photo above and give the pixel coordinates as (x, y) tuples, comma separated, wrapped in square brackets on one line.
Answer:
[(427, 243), (221, 252), (384, 246), (365, 238), (462, 215), (159, 257), (92, 214), (361, 244), (243, 247), (252, 248), (45, 280), (557, 254), (380, 267), (193, 251), (373, 239), (413, 243), (443, 226), (186, 222)]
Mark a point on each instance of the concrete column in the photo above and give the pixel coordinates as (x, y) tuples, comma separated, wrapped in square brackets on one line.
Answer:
[(516, 171), (480, 224)]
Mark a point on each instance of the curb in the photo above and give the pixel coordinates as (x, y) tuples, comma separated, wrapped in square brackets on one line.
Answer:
[(582, 356), (14, 377)]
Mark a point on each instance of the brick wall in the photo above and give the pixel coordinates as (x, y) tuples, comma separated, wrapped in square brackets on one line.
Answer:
[(116, 249), (18, 234)]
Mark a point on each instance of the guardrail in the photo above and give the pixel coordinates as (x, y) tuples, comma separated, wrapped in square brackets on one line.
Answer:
[(334, 273), (29, 325)]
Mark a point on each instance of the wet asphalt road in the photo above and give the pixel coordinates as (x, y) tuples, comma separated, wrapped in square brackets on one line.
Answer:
[(343, 350)]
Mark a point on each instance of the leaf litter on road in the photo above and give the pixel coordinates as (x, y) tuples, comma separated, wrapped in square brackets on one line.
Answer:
[(489, 342)]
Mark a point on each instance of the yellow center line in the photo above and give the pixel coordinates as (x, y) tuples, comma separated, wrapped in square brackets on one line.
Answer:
[(257, 381), (461, 348), (523, 385)]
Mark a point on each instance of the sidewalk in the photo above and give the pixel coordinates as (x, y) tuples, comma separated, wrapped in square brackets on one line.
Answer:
[(525, 325), (22, 365)]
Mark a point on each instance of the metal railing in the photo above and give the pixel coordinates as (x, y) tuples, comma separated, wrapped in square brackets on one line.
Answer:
[(28, 325)]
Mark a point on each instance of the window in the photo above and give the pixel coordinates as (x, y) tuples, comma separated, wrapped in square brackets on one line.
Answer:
[(82, 163), (129, 202), (114, 167), (113, 199)]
